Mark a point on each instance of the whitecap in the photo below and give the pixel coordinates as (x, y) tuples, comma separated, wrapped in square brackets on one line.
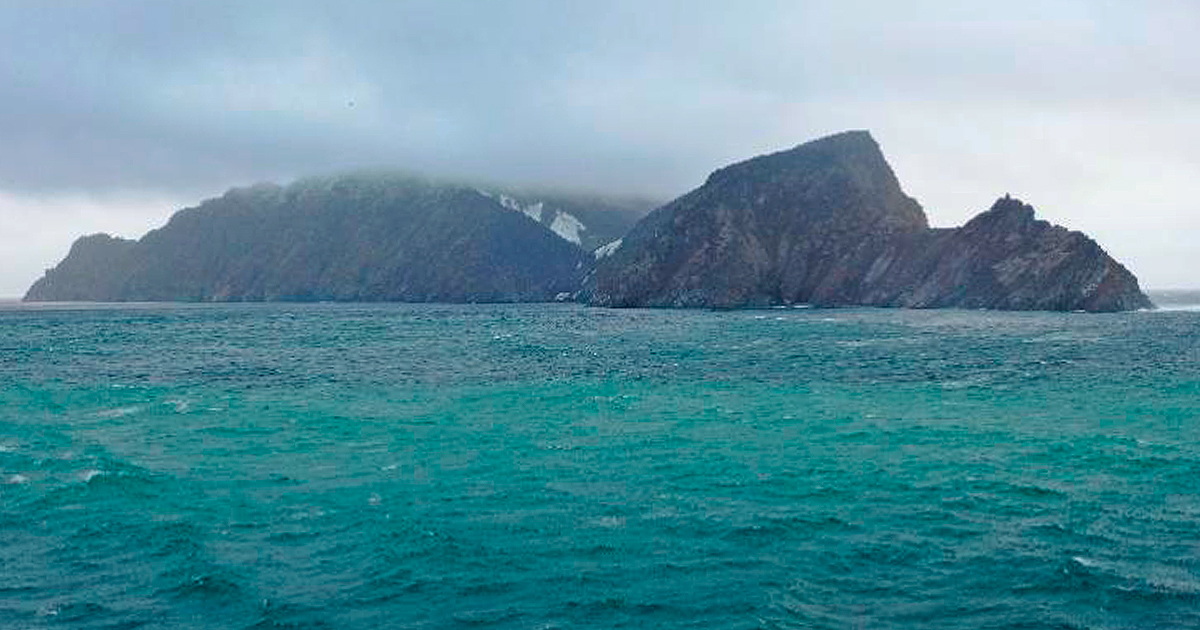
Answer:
[(118, 412), (609, 522), (17, 479), (89, 474)]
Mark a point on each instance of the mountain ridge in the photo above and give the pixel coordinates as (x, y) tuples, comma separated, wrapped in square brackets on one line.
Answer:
[(826, 223), (346, 237)]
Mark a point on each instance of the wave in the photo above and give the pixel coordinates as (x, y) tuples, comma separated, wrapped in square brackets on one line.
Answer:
[(206, 586), (71, 612), (119, 412), (1145, 578), (87, 475)]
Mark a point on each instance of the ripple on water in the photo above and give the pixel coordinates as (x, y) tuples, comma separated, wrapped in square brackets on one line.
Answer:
[(361, 466)]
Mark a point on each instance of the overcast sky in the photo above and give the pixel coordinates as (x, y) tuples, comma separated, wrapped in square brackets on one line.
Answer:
[(115, 114)]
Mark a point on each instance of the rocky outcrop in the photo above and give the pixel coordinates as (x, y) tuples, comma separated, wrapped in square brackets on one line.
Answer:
[(827, 224), (87, 273), (1004, 259), (357, 237)]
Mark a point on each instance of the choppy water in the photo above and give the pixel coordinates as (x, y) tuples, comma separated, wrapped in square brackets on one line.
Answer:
[(350, 466)]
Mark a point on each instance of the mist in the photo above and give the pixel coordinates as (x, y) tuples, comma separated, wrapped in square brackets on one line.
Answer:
[(115, 115)]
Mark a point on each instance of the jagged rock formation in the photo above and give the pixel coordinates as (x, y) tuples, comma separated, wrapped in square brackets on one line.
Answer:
[(354, 237), (826, 223)]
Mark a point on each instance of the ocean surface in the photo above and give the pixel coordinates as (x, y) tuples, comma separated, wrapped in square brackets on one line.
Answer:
[(555, 466)]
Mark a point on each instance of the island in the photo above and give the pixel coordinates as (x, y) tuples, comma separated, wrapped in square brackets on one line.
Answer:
[(825, 224), (370, 236)]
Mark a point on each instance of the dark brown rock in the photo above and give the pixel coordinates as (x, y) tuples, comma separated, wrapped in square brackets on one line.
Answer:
[(357, 238), (826, 223)]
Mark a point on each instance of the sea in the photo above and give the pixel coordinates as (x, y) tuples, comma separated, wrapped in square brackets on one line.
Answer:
[(558, 466)]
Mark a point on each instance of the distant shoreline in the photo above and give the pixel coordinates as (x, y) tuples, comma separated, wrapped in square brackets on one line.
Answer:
[(1164, 300)]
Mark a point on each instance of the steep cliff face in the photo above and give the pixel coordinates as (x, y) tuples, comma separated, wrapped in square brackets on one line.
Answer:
[(826, 223), (1006, 259), (773, 229), (86, 274), (339, 238)]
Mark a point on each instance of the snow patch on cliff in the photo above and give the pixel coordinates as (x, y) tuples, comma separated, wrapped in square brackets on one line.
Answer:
[(533, 210), (564, 224), (567, 226), (604, 251)]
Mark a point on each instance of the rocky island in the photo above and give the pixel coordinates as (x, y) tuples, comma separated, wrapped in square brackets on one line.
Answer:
[(825, 223), (357, 237)]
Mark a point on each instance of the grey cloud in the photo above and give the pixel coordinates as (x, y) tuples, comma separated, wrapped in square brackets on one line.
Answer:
[(1051, 101)]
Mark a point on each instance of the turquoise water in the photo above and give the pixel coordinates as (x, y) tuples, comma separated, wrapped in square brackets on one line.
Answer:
[(553, 466)]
